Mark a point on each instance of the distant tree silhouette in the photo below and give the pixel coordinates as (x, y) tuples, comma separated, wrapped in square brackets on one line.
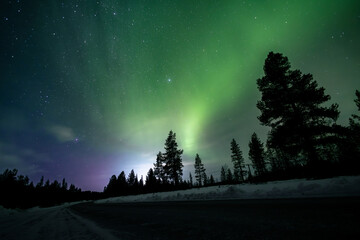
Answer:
[(41, 183), (64, 185), (199, 170), (212, 181), (111, 188), (131, 178), (173, 162), (159, 168), (19, 192), (291, 105), (238, 161), (223, 174), (151, 180), (229, 176), (141, 182), (190, 179), (355, 121), (47, 184), (73, 189), (257, 155), (349, 144), (206, 179), (122, 184)]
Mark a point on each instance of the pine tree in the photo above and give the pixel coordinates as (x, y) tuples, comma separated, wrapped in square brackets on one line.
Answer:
[(238, 161), (206, 180), (212, 181), (190, 179), (290, 105), (150, 179), (110, 188), (257, 155), (41, 183), (355, 119), (64, 185), (229, 176), (122, 183), (199, 170), (141, 182), (131, 178), (173, 162), (223, 174), (350, 144), (159, 168)]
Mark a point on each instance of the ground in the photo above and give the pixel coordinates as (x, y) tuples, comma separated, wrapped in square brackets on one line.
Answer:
[(312, 218), (294, 209)]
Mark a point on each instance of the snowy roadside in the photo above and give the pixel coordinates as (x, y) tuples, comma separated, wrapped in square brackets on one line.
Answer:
[(57, 222), (297, 188)]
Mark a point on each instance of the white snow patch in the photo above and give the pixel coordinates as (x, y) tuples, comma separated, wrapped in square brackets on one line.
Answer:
[(297, 188)]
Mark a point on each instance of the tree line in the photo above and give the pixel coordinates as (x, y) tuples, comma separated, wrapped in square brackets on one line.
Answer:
[(18, 192)]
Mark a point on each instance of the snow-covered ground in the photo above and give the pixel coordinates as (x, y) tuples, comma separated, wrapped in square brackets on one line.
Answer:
[(297, 188)]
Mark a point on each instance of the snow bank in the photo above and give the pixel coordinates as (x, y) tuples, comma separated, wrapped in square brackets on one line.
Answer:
[(297, 188)]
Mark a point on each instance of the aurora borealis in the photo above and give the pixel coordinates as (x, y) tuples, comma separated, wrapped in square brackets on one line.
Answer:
[(91, 88)]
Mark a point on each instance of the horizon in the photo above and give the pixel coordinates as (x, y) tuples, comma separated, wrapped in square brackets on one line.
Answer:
[(92, 89)]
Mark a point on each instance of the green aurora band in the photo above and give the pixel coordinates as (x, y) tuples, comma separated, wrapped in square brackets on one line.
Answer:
[(134, 70)]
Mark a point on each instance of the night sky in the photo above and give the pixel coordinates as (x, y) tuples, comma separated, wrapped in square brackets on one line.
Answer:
[(91, 88)]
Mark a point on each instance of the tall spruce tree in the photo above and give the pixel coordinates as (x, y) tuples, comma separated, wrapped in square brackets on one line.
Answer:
[(229, 176), (159, 168), (212, 181), (190, 179), (131, 178), (257, 155), (199, 170), (291, 105), (150, 180), (350, 146), (238, 161), (355, 119), (223, 174), (172, 158)]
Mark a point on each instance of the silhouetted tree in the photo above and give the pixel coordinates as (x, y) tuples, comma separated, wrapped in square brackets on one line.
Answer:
[(238, 161), (212, 181), (229, 176), (159, 168), (291, 105), (111, 188), (141, 182), (172, 157), (349, 145), (199, 170), (355, 121), (257, 155), (223, 174), (72, 187), (64, 185), (41, 183), (151, 180), (190, 179), (206, 180), (131, 178)]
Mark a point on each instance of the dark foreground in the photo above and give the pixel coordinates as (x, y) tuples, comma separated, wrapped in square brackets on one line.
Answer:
[(325, 218)]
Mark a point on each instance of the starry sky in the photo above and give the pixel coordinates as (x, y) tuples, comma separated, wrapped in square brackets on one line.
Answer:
[(91, 88)]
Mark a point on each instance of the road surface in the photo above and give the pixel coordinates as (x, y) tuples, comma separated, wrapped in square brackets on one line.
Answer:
[(328, 218), (336, 218)]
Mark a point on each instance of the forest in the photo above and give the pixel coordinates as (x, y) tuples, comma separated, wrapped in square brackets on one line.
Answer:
[(304, 141)]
